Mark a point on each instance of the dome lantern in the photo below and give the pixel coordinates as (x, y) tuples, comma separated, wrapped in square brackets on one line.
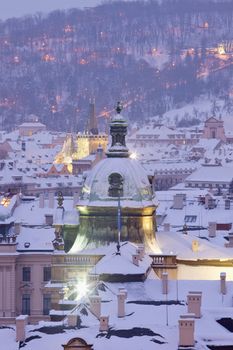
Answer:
[(118, 131)]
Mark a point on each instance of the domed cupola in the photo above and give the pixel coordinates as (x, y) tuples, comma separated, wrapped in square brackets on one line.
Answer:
[(113, 180), (118, 131)]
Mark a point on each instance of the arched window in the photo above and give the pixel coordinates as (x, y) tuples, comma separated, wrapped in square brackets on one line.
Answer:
[(115, 185)]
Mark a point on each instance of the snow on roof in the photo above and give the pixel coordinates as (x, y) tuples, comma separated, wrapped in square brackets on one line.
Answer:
[(122, 264), (35, 239), (145, 323), (43, 137), (31, 124), (136, 187), (176, 217), (29, 213), (71, 217), (181, 245), (155, 167), (161, 131), (228, 125), (6, 208), (212, 174), (207, 144)]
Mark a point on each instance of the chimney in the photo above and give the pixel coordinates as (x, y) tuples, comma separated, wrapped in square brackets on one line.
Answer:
[(230, 240), (223, 288), (135, 258), (227, 204), (209, 202), (21, 322), (123, 291), (99, 153), (194, 303), (75, 199), (49, 219), (121, 304), (186, 330), (51, 200), (104, 323), (165, 283), (179, 200), (72, 320), (41, 200), (166, 227), (195, 245), (141, 251), (95, 305), (17, 227), (212, 229)]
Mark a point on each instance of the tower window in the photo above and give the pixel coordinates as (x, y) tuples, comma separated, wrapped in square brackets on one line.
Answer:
[(115, 185)]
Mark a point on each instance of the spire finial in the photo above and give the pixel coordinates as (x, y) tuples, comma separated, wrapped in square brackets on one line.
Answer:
[(119, 107)]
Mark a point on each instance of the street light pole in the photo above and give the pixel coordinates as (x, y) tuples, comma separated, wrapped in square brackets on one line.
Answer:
[(118, 226)]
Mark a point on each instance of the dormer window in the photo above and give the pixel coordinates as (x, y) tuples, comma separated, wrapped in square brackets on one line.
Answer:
[(115, 185)]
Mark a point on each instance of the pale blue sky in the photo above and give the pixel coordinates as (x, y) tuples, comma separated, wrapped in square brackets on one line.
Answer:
[(16, 8)]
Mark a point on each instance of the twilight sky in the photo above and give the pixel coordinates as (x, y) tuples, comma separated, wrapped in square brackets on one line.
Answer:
[(16, 8)]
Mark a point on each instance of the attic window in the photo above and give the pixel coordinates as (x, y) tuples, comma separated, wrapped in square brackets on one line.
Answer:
[(115, 185), (190, 218)]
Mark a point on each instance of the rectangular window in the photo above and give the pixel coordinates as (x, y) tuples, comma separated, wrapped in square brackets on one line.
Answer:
[(46, 304), (190, 218), (26, 274), (47, 273), (26, 304)]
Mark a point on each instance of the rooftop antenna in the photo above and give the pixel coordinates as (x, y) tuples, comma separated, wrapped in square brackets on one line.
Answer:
[(118, 226)]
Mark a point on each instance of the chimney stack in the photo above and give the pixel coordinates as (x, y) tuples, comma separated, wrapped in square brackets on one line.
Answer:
[(51, 200), (121, 304), (135, 258), (165, 283), (41, 200), (223, 288), (95, 305), (212, 229), (17, 227), (104, 323), (194, 303), (195, 245), (186, 330), (72, 320), (21, 322)]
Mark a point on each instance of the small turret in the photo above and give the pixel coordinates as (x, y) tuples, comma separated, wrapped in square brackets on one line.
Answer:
[(118, 131)]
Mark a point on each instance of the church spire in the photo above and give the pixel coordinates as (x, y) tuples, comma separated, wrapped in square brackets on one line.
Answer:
[(118, 131), (92, 127)]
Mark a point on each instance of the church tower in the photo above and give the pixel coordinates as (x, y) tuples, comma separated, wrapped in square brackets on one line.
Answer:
[(92, 127)]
